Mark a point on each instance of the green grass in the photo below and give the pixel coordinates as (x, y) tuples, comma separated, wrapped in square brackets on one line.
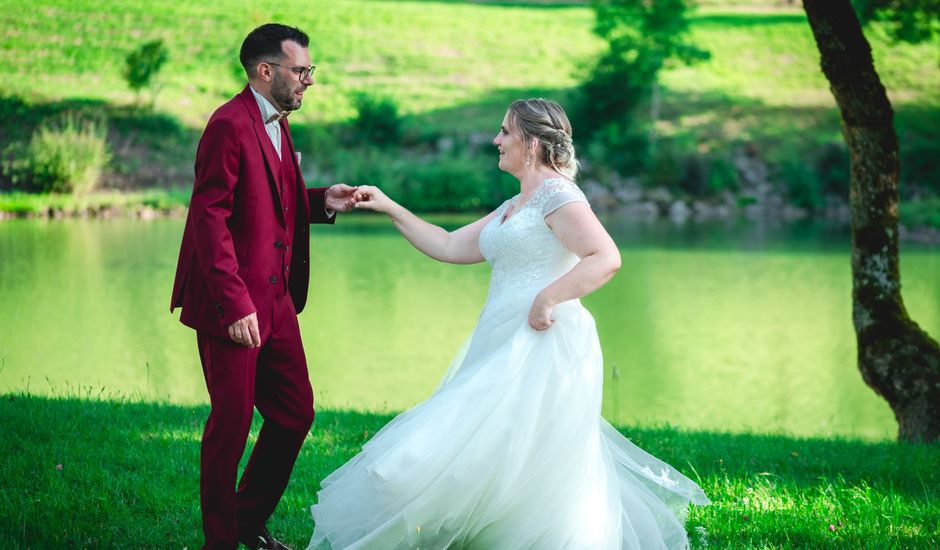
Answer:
[(129, 474), (430, 56), (452, 67), (164, 201)]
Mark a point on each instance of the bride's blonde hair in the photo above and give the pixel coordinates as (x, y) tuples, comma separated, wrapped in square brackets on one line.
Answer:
[(546, 121)]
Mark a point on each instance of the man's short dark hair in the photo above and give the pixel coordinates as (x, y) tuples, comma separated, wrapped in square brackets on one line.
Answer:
[(265, 43)]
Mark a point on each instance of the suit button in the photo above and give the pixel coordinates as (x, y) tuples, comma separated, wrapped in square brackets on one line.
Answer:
[(286, 268), (272, 279), (278, 244)]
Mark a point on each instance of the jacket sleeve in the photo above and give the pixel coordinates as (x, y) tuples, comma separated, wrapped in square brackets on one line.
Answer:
[(217, 169), (317, 198)]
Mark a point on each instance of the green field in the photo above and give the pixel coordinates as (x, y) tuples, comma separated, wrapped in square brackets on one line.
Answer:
[(433, 57), (452, 67), (90, 473)]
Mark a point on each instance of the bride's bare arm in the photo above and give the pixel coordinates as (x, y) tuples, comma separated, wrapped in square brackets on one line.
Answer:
[(456, 247), (581, 232)]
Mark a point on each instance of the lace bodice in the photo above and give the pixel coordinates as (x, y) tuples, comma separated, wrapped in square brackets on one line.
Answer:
[(523, 251)]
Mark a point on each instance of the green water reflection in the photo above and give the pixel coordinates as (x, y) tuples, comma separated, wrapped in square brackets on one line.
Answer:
[(726, 327)]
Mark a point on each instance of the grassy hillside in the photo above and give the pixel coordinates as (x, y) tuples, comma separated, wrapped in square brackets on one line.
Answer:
[(430, 56), (451, 67)]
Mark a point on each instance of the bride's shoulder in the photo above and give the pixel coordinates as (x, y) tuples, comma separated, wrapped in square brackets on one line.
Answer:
[(554, 185), (554, 189)]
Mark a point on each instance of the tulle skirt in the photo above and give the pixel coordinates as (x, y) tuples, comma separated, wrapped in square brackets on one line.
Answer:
[(510, 452)]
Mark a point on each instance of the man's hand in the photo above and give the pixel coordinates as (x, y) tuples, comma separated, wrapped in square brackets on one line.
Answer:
[(245, 331), (341, 197)]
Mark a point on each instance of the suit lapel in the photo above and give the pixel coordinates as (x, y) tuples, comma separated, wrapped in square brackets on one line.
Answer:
[(292, 153), (267, 148)]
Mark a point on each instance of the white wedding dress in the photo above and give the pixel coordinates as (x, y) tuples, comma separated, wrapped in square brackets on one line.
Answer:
[(510, 452)]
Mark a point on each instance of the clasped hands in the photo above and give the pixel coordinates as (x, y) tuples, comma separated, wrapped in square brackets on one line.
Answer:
[(343, 198), (338, 198)]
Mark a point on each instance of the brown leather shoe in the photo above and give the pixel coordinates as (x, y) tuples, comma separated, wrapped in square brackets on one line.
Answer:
[(264, 541)]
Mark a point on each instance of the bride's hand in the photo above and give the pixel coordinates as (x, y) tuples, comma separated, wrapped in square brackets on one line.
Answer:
[(372, 198), (540, 315)]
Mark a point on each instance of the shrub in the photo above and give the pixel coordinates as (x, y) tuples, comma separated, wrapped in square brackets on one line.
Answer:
[(454, 182), (66, 156), (801, 184), (378, 121), (832, 168), (721, 176), (623, 147), (143, 64)]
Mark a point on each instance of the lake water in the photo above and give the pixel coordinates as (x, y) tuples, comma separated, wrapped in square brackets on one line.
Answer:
[(734, 326)]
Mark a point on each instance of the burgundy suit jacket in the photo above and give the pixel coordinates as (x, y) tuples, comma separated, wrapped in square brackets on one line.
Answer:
[(234, 241)]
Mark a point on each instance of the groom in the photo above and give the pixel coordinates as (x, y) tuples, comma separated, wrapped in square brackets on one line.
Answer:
[(241, 280)]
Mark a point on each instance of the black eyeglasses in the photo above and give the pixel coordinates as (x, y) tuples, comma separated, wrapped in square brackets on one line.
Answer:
[(302, 72)]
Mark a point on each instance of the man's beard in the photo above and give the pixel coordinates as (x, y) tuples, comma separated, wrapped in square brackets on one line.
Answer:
[(283, 94)]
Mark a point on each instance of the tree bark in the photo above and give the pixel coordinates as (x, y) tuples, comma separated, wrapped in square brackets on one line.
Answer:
[(896, 358)]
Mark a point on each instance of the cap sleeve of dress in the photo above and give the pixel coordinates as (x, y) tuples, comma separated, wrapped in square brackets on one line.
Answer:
[(557, 193)]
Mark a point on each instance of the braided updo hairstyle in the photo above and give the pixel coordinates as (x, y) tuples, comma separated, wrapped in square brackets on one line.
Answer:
[(547, 122)]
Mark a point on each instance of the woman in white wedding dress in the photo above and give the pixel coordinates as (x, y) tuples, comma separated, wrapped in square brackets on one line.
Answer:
[(510, 452)]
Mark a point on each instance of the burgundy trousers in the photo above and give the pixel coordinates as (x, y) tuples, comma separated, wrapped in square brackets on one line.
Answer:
[(274, 379)]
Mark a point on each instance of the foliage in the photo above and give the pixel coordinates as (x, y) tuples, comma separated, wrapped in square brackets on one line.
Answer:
[(919, 214), (70, 483), (450, 75), (22, 204), (907, 20), (641, 38), (623, 146), (377, 120), (453, 181), (143, 64), (64, 156)]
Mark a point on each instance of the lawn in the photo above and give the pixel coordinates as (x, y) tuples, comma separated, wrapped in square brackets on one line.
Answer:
[(101, 471)]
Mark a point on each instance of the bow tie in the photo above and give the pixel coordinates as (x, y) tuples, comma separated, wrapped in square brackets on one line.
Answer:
[(276, 117)]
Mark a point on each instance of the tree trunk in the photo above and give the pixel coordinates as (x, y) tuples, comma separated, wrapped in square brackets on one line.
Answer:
[(896, 358)]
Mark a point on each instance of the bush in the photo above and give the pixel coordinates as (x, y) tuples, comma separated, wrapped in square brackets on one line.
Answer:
[(832, 168), (143, 64), (454, 182), (721, 176), (457, 183), (801, 183), (378, 122), (66, 156), (623, 147)]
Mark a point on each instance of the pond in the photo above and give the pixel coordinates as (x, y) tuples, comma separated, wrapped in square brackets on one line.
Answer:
[(733, 326)]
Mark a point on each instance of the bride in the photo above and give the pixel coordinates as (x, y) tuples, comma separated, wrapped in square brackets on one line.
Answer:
[(510, 452)]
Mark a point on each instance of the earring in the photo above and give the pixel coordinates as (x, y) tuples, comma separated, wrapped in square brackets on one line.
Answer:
[(528, 160)]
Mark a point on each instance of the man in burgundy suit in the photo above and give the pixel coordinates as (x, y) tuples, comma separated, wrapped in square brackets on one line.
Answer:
[(241, 280)]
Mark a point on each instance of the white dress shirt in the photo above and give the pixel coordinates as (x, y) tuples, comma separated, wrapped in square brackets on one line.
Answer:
[(274, 130), (274, 127)]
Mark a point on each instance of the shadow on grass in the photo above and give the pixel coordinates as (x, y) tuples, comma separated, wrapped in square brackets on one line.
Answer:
[(85, 473), (755, 20), (542, 4)]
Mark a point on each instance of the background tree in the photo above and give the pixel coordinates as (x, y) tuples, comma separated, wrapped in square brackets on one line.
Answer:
[(896, 358), (907, 20), (142, 66), (642, 37)]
